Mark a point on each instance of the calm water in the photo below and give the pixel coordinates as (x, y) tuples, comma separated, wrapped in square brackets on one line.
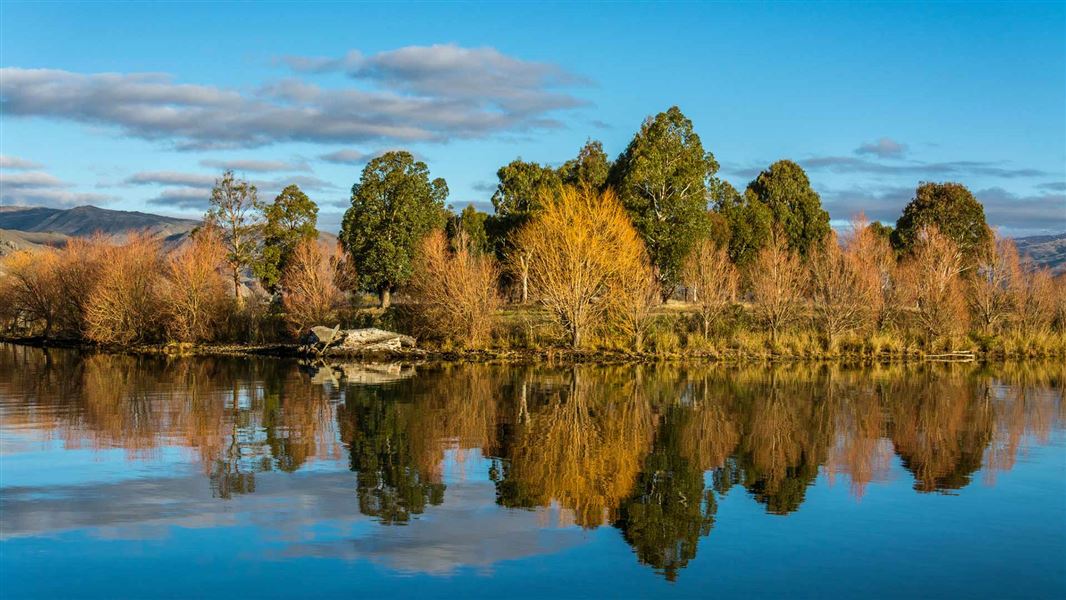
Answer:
[(125, 476)]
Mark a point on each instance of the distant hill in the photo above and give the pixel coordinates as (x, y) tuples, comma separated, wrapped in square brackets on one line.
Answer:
[(29, 227), (87, 220), (1045, 250)]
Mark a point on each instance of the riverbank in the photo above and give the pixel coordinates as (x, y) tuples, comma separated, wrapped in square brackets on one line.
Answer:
[(785, 349)]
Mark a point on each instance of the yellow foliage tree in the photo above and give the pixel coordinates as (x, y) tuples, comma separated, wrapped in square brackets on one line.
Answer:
[(581, 246)]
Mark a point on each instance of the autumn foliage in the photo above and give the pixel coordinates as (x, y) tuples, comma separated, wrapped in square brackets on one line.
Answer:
[(312, 285), (581, 248), (454, 291)]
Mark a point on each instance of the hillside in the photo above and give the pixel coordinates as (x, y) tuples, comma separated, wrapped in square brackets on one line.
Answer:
[(32, 227), (1046, 250), (87, 220)]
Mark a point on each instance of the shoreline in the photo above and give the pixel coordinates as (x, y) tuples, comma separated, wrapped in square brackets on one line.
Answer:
[(516, 356)]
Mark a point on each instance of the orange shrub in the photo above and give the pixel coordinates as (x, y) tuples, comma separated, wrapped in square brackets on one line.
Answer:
[(125, 306), (454, 291), (312, 284), (195, 292)]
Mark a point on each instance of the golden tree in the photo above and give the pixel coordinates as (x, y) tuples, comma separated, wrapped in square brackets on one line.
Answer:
[(712, 277), (840, 293), (125, 306), (931, 286), (312, 286), (580, 247), (776, 278), (194, 288), (454, 291)]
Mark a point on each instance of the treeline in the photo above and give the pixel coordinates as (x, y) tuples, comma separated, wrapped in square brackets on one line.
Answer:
[(649, 252)]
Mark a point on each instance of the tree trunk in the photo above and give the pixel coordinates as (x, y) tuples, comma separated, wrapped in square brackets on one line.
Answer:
[(525, 285), (386, 297), (237, 285), (706, 325), (575, 338)]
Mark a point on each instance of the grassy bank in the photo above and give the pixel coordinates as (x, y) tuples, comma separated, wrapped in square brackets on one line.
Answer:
[(526, 333)]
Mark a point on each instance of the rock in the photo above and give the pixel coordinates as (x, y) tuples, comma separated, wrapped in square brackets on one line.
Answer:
[(340, 341), (320, 336)]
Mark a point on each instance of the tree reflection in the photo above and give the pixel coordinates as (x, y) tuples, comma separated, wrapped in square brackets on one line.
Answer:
[(669, 509), (630, 446)]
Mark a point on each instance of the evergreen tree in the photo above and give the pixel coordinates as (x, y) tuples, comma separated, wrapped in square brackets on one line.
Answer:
[(394, 206)]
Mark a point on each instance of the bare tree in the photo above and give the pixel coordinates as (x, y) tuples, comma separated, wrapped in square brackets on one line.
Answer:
[(840, 295), (125, 306), (313, 283), (713, 278), (931, 286), (194, 288), (776, 279), (989, 288)]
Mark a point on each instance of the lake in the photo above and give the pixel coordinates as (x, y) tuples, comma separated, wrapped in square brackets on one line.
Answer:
[(125, 476)]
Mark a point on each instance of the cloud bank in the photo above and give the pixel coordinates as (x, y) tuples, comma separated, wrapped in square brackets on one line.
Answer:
[(413, 94)]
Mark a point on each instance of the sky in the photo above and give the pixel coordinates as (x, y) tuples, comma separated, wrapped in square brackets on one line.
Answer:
[(140, 106)]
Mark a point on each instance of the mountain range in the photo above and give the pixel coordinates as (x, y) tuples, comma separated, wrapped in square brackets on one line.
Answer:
[(29, 227)]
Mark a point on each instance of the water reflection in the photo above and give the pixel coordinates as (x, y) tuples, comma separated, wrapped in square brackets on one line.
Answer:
[(649, 451)]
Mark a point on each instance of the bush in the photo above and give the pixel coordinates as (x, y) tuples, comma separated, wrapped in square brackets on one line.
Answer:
[(195, 292), (125, 307), (312, 285), (454, 292)]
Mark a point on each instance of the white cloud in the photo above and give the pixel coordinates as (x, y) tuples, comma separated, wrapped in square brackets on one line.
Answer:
[(16, 163), (413, 94)]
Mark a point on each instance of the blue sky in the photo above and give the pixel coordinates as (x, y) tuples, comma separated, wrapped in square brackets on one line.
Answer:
[(140, 106)]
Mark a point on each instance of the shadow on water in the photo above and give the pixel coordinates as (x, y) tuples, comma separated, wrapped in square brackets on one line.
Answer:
[(649, 450)]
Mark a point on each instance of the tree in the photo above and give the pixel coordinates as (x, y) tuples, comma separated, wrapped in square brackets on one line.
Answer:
[(194, 290), (236, 211), (871, 255), (454, 291), (468, 229), (712, 278), (581, 245), (841, 303), (1033, 295), (954, 211), (589, 169), (776, 277), (516, 200), (749, 221), (291, 218), (931, 287), (662, 180), (30, 288), (635, 297), (796, 208), (988, 291), (394, 206), (312, 286)]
